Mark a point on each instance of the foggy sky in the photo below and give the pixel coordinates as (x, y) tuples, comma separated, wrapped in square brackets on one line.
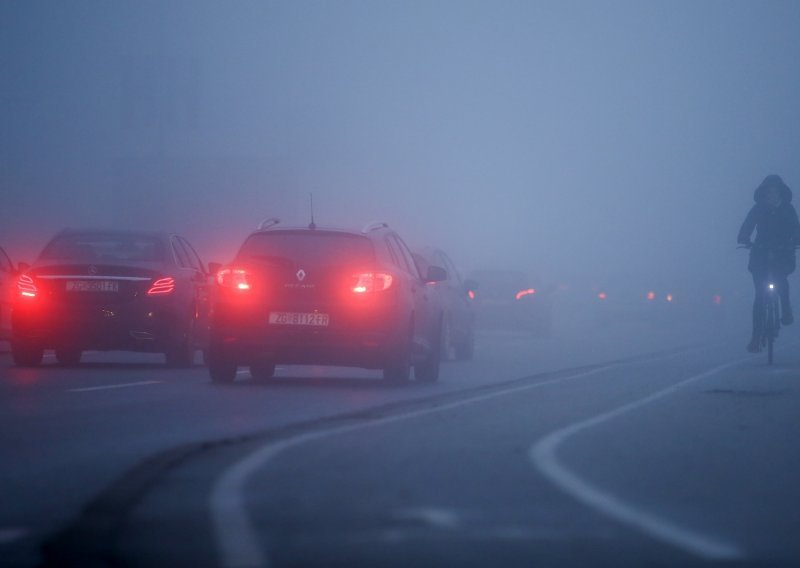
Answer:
[(576, 140)]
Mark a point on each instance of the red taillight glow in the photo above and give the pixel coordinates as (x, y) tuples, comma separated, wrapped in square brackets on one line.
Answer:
[(602, 295), (236, 278), (669, 297), (471, 294), (717, 299), (651, 295), (522, 293), (26, 286), (162, 286), (371, 282)]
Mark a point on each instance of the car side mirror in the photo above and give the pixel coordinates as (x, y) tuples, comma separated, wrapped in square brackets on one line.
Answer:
[(436, 274), (214, 267), (23, 267)]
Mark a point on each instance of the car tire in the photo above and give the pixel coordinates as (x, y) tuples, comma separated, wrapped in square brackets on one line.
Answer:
[(26, 354), (221, 366), (262, 370), (68, 357), (180, 353), (465, 350), (398, 370), (448, 349), (427, 370)]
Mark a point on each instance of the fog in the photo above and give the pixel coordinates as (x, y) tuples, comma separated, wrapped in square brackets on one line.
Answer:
[(579, 141)]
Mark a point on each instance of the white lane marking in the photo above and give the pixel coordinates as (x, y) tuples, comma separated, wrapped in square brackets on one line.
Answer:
[(543, 457), (236, 537), (9, 535), (119, 386), (431, 516)]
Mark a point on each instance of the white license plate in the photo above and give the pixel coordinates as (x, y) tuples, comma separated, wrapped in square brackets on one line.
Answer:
[(92, 286), (293, 318)]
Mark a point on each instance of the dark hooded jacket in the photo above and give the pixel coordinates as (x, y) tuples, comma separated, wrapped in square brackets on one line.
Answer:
[(777, 228)]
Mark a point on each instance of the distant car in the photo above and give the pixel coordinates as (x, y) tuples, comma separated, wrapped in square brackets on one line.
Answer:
[(458, 334), (507, 299), (641, 304), (112, 290), (8, 280), (325, 297)]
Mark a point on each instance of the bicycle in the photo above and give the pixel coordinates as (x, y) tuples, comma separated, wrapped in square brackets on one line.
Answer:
[(771, 317)]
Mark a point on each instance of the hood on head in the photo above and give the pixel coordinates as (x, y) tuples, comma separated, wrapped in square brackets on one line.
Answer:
[(772, 181)]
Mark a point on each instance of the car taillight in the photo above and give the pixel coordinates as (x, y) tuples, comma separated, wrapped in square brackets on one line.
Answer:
[(522, 293), (26, 286), (236, 278), (162, 286), (367, 282)]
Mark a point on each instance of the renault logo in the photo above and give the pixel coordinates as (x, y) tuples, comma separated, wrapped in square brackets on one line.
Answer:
[(92, 270), (301, 275)]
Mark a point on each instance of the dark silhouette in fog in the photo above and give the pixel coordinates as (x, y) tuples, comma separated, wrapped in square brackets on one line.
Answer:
[(772, 253)]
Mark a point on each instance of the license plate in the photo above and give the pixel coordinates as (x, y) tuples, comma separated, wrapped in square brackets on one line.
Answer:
[(292, 318), (92, 286)]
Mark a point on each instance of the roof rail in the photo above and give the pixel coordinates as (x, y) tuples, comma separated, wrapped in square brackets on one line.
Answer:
[(268, 223), (375, 226)]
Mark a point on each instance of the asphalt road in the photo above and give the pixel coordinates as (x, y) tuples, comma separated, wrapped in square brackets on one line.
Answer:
[(630, 446)]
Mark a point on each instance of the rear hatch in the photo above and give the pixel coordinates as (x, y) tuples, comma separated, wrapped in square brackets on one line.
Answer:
[(99, 267), (90, 284), (307, 272)]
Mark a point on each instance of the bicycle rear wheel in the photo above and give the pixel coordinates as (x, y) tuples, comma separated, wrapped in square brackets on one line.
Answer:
[(770, 344), (771, 328)]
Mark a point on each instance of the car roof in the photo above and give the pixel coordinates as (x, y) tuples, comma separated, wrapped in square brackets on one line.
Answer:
[(322, 230), (115, 232)]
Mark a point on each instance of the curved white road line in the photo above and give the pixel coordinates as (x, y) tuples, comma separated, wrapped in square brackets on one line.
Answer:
[(543, 457), (237, 540)]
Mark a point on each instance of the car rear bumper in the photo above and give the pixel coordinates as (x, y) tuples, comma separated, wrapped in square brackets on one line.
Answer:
[(132, 327), (371, 349)]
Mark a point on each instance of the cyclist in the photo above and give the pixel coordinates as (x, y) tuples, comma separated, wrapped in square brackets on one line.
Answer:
[(774, 219)]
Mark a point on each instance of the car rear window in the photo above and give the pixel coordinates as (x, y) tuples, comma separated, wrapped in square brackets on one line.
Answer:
[(105, 248), (307, 246)]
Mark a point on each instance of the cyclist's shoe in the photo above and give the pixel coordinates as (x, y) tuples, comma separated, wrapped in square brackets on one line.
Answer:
[(755, 345), (787, 318)]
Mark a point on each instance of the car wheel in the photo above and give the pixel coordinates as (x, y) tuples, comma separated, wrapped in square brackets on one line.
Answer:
[(221, 366), (448, 349), (398, 371), (262, 369), (26, 354), (181, 352), (427, 371), (68, 357), (465, 350)]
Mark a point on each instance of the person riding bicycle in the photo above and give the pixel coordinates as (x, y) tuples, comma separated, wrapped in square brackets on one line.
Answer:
[(774, 219)]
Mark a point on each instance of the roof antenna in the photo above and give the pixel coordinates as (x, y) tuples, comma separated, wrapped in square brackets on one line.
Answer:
[(312, 225)]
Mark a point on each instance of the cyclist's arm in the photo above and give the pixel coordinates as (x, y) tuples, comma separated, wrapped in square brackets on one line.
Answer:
[(749, 225), (795, 225)]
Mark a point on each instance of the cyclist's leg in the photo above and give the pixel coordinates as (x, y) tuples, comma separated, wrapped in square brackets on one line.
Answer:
[(760, 283), (787, 317)]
